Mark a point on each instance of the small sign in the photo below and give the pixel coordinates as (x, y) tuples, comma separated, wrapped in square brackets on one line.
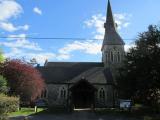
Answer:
[(41, 103), (125, 104)]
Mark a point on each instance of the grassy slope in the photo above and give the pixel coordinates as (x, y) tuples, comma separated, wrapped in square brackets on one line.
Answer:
[(24, 112)]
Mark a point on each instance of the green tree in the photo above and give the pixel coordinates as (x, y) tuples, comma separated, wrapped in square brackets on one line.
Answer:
[(3, 85), (139, 78), (3, 82), (1, 56), (23, 79)]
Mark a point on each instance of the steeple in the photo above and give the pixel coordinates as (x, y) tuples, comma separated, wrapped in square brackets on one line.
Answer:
[(113, 45), (110, 19), (111, 35)]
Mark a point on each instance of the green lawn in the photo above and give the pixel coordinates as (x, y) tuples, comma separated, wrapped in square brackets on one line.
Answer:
[(25, 112)]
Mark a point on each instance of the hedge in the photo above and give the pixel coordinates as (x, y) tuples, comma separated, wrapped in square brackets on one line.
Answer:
[(7, 105)]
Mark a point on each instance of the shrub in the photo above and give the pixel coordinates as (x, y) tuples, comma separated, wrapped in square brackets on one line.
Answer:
[(1, 56), (8, 104), (3, 85), (23, 79), (3, 117)]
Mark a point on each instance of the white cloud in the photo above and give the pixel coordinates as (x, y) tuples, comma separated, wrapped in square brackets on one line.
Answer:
[(7, 26), (65, 53), (128, 46), (24, 27), (11, 28), (37, 10), (126, 24), (63, 56), (90, 47), (97, 22), (93, 47), (13, 53), (20, 41), (122, 20), (19, 53), (9, 9), (20, 47)]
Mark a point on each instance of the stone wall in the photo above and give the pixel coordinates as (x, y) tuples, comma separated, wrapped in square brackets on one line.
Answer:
[(57, 95), (112, 62), (106, 100), (56, 98)]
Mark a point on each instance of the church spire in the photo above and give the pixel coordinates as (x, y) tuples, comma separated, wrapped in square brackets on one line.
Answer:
[(110, 19), (113, 45), (111, 35)]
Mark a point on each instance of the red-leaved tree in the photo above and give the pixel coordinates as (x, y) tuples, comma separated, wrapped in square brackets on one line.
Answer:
[(23, 79)]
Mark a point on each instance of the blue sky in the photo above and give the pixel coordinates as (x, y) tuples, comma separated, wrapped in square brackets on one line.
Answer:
[(71, 19)]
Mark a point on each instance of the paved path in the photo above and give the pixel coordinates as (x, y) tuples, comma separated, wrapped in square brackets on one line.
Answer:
[(78, 115)]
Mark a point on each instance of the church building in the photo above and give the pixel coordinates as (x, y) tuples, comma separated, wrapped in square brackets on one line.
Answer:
[(86, 84)]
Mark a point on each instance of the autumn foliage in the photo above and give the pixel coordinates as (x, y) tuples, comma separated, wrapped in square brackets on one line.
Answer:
[(23, 79)]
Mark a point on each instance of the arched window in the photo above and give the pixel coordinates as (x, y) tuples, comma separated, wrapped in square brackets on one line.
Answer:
[(118, 57), (106, 56), (63, 93), (112, 56), (102, 94)]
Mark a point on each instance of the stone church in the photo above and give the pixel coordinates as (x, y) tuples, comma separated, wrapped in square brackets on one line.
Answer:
[(86, 84)]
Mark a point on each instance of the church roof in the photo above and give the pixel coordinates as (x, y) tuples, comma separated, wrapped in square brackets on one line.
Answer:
[(72, 64), (60, 72), (111, 35), (67, 72), (98, 75)]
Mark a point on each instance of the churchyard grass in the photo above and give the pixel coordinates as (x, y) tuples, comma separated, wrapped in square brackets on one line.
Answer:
[(25, 112)]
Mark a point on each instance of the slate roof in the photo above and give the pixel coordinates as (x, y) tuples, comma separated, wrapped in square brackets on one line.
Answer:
[(67, 72), (98, 75), (60, 72), (81, 85), (112, 38)]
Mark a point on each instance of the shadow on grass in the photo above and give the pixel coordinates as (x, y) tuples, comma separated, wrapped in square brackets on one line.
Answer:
[(111, 112), (51, 112), (102, 112), (115, 112), (144, 115)]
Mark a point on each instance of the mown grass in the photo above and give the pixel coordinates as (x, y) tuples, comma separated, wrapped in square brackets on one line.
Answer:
[(25, 112)]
